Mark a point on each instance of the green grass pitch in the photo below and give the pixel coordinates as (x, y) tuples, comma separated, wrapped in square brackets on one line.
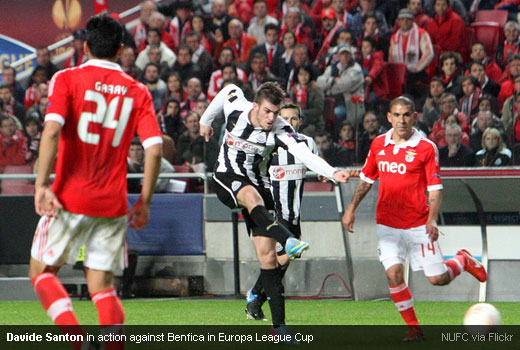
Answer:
[(231, 312)]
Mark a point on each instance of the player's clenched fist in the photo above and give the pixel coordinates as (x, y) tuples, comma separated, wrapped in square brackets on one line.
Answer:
[(341, 176)]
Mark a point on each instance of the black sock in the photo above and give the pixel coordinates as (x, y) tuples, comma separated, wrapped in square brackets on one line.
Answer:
[(263, 219), (275, 294), (282, 269), (258, 287)]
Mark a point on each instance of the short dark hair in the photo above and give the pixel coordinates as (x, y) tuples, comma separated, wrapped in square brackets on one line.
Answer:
[(370, 14), (322, 133), (136, 142), (514, 57), (479, 43), (370, 40), (403, 101), (470, 78), (451, 54), (32, 119), (271, 26), (476, 63), (232, 65), (183, 46), (5, 86), (192, 33), (156, 30), (152, 64), (308, 68), (104, 36), (270, 91), (226, 49), (259, 55), (291, 105), (439, 80)]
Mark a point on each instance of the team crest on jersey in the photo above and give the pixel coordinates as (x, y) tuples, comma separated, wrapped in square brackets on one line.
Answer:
[(410, 156), (279, 173), (262, 137), (235, 185), (229, 140)]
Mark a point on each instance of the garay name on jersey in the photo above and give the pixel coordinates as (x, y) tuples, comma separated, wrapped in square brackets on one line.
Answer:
[(110, 89)]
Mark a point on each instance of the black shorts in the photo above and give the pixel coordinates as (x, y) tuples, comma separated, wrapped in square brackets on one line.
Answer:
[(227, 186)]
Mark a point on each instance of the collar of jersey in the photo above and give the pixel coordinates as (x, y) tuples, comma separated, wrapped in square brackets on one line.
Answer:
[(413, 141), (103, 64)]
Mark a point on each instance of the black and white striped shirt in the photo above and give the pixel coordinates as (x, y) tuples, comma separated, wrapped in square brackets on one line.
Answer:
[(246, 149), (287, 175)]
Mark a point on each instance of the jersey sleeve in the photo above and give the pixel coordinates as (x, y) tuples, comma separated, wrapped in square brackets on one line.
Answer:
[(229, 94), (147, 124), (59, 98), (432, 168), (370, 172)]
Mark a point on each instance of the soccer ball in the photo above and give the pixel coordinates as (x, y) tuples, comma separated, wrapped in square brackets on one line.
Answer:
[(482, 317)]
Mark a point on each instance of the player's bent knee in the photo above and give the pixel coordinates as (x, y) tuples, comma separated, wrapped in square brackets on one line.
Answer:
[(283, 261), (36, 267), (249, 198)]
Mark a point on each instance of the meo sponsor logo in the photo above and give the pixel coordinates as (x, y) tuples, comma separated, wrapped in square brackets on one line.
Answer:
[(279, 173), (392, 167)]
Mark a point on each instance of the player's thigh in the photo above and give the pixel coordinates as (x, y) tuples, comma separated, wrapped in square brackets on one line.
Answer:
[(105, 247), (227, 187), (56, 239), (390, 247), (424, 254)]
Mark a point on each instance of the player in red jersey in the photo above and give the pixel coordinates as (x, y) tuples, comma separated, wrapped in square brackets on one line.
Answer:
[(407, 166), (94, 112)]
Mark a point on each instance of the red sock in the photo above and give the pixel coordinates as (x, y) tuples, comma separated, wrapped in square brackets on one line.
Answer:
[(111, 315), (56, 302), (403, 300), (455, 266)]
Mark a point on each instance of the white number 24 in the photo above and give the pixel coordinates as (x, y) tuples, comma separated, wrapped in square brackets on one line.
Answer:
[(105, 116)]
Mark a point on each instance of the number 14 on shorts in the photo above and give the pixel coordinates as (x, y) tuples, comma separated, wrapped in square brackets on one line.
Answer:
[(425, 247)]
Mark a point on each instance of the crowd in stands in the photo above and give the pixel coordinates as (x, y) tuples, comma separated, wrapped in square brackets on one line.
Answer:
[(337, 59)]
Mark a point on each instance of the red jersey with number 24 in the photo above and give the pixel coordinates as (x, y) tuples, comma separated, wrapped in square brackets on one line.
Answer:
[(405, 171), (100, 108)]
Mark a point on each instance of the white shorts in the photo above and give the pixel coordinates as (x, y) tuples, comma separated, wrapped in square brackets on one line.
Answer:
[(58, 241), (397, 244)]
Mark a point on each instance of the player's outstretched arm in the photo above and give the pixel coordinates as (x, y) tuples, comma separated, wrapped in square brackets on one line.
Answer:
[(216, 107), (139, 214), (348, 218), (45, 201), (317, 164), (434, 201)]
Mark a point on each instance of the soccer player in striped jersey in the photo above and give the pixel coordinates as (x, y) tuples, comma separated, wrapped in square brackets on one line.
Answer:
[(287, 175), (407, 166), (241, 179)]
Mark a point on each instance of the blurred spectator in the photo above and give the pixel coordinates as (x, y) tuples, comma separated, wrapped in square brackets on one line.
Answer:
[(155, 56), (511, 44), (239, 41), (259, 72), (9, 78), (136, 165), (79, 56), (412, 46), (33, 91), (180, 24), (157, 20), (300, 57), (452, 76), (494, 152), (13, 144), (220, 22), (342, 14), (200, 56), (306, 94), (242, 9), (419, 17), (191, 148), (371, 29), (198, 26), (11, 106), (372, 62), (438, 134), (258, 23), (284, 63), (305, 11), (458, 7), (486, 85), (478, 53), (329, 28), (43, 58), (38, 110), (185, 66), (127, 62), (170, 121), (155, 85), (484, 120), (455, 154), (447, 29), (294, 23), (270, 48), (487, 102), (506, 82), (343, 81), (215, 82), (174, 84), (201, 105), (344, 36), (333, 153), (194, 93), (346, 136), (358, 19), (448, 105), (431, 109), (229, 73), (510, 113), (371, 129), (468, 103), (140, 30), (153, 38), (32, 132)]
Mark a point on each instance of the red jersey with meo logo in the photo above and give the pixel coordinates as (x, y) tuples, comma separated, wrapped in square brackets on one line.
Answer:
[(100, 108), (405, 171)]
